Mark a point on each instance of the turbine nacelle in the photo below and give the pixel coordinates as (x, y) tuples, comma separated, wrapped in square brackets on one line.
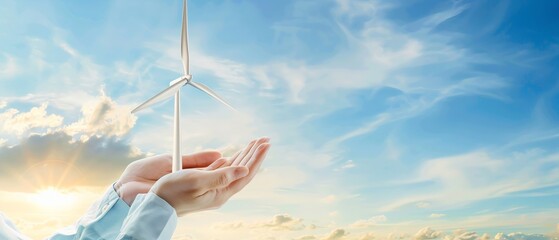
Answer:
[(188, 78)]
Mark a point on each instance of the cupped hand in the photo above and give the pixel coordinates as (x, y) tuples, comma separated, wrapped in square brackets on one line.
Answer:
[(191, 190), (141, 175)]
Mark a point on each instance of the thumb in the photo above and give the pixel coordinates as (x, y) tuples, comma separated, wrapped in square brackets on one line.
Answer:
[(222, 177)]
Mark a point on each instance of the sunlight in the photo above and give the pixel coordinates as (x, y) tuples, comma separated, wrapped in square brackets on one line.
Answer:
[(52, 198)]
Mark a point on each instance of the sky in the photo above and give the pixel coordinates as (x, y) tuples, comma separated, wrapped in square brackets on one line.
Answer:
[(389, 119)]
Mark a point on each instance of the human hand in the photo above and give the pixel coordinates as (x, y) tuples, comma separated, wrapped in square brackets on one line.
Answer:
[(191, 190), (139, 176)]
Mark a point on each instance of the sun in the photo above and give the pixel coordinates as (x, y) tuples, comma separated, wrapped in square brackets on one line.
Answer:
[(51, 198)]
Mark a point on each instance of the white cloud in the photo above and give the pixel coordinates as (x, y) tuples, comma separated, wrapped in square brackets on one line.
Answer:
[(520, 236), (376, 51), (63, 69), (283, 222), (230, 226), (16, 122), (368, 223), (67, 48), (77, 72), (367, 128), (36, 56), (414, 107), (470, 177), (437, 215), (397, 236), (349, 164), (3, 104), (307, 237), (64, 101), (354, 8), (100, 116), (423, 204), (227, 70), (279, 222), (103, 117), (462, 234), (329, 199), (9, 67), (427, 233), (485, 236), (436, 19), (263, 229), (336, 234), (367, 236)]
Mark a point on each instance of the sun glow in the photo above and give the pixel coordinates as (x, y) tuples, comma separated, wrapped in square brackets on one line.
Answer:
[(53, 199)]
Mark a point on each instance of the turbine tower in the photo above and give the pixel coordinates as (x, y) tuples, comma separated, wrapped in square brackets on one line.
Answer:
[(174, 89)]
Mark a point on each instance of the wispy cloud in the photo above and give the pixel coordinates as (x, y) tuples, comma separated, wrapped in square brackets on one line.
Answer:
[(475, 176), (8, 67), (437, 215), (369, 223)]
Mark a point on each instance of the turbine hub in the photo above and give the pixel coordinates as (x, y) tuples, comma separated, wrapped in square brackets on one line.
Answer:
[(187, 77)]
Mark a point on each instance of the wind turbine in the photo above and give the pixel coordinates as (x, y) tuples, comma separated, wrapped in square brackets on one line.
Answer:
[(174, 89)]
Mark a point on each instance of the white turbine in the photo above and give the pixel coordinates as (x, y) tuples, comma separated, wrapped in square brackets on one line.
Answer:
[(175, 87)]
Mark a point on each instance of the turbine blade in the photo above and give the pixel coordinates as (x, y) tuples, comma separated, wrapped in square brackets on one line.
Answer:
[(207, 90), (184, 39), (163, 95)]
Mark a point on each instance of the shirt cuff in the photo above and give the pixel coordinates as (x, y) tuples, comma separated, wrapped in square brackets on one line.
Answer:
[(150, 217), (103, 220)]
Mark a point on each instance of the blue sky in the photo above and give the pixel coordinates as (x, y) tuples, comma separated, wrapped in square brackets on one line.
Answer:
[(388, 118)]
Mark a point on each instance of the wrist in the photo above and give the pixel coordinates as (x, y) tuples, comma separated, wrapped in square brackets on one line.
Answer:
[(118, 187), (163, 195)]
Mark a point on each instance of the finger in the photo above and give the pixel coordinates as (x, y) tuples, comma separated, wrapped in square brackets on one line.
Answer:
[(240, 157), (258, 157), (252, 150), (230, 159), (200, 160), (217, 164), (253, 165), (222, 177)]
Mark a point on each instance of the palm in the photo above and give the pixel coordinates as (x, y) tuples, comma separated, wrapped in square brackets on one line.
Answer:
[(251, 157), (192, 190), (140, 176)]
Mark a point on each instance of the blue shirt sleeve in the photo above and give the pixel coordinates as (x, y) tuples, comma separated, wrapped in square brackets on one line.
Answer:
[(150, 217), (102, 221)]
